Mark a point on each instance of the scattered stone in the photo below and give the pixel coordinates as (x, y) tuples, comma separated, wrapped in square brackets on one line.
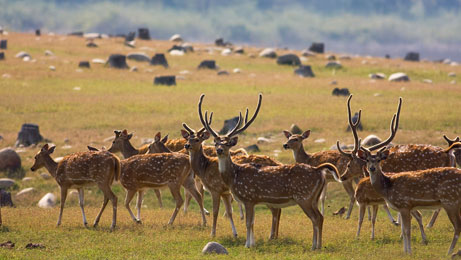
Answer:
[(399, 77), (66, 147), (229, 124), (176, 53), (262, 140), (138, 56), (412, 56), (354, 120), (117, 61), (207, 64), (252, 148), (236, 70), (27, 179), (454, 63), (294, 129), (319, 141), (5, 199), (9, 160), (3, 44), (268, 53), (26, 58), (25, 192), (33, 246), (371, 140), (159, 59), (223, 72), (214, 248), (453, 82), (130, 37), (8, 244), (28, 135), (387, 56), (98, 61), (307, 53), (317, 47), (77, 88), (377, 76), (304, 71), (5, 183), (334, 82), (49, 53), (239, 50), (91, 45), (289, 59), (91, 36), (78, 33), (22, 54), (177, 48), (184, 72), (165, 80), (187, 47), (345, 57), (47, 201), (37, 32), (451, 74), (226, 52), (134, 69), (176, 38), (331, 57), (340, 92), (6, 76), (220, 42), (428, 81), (377, 94), (143, 34), (180, 77), (84, 64), (130, 44), (45, 176), (333, 65)]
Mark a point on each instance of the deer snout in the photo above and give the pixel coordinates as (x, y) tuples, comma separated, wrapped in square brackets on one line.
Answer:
[(372, 168), (219, 151), (32, 169), (285, 146), (187, 146)]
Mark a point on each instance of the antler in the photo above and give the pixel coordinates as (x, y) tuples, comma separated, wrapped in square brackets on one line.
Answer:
[(247, 123), (394, 127), (205, 123), (191, 131), (451, 141), (353, 126)]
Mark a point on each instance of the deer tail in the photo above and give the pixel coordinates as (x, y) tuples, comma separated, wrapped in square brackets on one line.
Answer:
[(331, 168), (117, 168)]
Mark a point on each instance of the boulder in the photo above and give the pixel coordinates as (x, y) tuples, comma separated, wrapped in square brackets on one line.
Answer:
[(130, 37), (226, 52), (294, 129), (229, 124), (207, 64), (91, 45), (130, 44), (239, 50), (3, 44), (187, 47), (37, 32), (354, 120), (268, 53), (340, 92), (304, 71), (22, 55), (307, 53), (333, 65), (165, 80), (98, 61), (370, 140), (214, 248), (5, 183), (331, 57), (377, 76), (143, 34), (220, 42), (412, 56), (178, 48), (176, 38), (28, 135), (47, 201), (176, 53), (159, 59), (25, 192), (252, 148), (5, 199), (317, 47), (399, 77), (289, 59), (78, 33), (2, 55), (9, 160), (138, 56), (117, 61), (84, 64)]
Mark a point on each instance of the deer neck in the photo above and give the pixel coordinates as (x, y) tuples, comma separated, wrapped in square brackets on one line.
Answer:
[(226, 168), (300, 155), (51, 166), (198, 161), (380, 182), (128, 150)]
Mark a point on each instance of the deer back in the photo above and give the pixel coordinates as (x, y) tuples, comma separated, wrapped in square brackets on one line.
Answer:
[(176, 145), (415, 157), (256, 160)]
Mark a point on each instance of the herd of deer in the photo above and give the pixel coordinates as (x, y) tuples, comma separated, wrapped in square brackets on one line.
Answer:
[(403, 177)]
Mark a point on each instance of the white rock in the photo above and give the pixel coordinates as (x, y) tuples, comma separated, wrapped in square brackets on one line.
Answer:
[(6, 183), (176, 38), (176, 53), (49, 53), (214, 248), (262, 140), (6, 76), (134, 69), (268, 53), (66, 147), (184, 72), (98, 61), (454, 63), (226, 52), (91, 36), (48, 201), (73, 193), (371, 140), (453, 82), (398, 77), (377, 76), (451, 74), (25, 191), (236, 70), (320, 140), (77, 88), (52, 68), (27, 179), (26, 58), (428, 81), (22, 54)]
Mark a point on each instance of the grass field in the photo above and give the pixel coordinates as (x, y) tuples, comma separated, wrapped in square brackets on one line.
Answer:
[(111, 99)]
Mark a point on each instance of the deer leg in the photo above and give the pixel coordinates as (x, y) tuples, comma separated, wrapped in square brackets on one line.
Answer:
[(350, 191), (455, 218), (373, 221), (276, 212), (369, 213), (129, 196), (139, 203), (250, 218), (242, 215), (434, 218), (187, 201), (98, 217), (406, 228), (227, 199), (323, 196), (63, 201), (111, 196), (216, 200), (317, 221), (201, 189), (189, 184), (362, 208), (391, 218), (80, 200), (159, 198), (419, 218), (176, 193)]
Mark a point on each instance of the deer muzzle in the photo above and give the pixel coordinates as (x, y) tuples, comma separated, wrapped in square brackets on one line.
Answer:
[(219, 151), (286, 147), (187, 146)]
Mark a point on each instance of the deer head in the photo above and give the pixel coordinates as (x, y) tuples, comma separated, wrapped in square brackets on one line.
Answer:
[(195, 138), (158, 145), (42, 156), (120, 138), (295, 141), (457, 152)]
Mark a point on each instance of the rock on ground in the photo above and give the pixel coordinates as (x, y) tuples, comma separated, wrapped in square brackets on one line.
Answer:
[(214, 248), (399, 77), (9, 159), (47, 201)]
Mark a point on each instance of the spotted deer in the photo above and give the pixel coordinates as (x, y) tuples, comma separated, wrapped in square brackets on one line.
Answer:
[(406, 191), (207, 169), (457, 153), (78, 170), (275, 186)]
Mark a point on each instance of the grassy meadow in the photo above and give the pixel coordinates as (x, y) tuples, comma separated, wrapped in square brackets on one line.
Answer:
[(79, 107)]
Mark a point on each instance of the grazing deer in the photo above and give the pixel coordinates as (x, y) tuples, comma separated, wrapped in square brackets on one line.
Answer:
[(275, 186), (207, 169), (81, 169), (406, 191), (295, 143)]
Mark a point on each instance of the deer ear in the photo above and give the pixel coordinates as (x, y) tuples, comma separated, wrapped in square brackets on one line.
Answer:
[(306, 134), (165, 138), (51, 149), (117, 133), (184, 134), (361, 154), (286, 133), (45, 147), (233, 141), (124, 132), (205, 135), (157, 137)]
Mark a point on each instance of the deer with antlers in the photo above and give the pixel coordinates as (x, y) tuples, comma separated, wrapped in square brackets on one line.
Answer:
[(79, 170), (275, 186), (207, 169)]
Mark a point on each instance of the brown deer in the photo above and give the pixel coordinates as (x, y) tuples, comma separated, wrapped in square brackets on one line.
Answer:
[(82, 169), (274, 186), (206, 168), (457, 152), (406, 191)]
